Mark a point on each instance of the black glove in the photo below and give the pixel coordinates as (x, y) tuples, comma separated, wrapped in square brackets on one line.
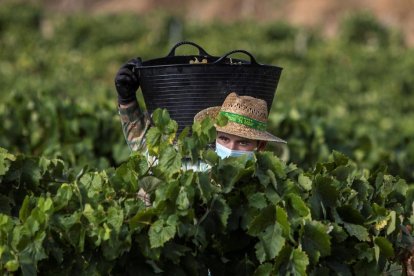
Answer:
[(126, 82)]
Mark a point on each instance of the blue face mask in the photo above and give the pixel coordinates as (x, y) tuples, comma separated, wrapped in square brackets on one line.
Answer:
[(224, 152)]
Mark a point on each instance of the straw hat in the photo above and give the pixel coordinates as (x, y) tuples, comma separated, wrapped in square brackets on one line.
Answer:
[(247, 117)]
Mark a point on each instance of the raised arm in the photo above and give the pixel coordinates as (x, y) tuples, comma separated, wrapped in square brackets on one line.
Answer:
[(134, 121)]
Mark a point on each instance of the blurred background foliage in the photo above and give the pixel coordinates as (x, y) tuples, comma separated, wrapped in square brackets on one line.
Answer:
[(352, 93)]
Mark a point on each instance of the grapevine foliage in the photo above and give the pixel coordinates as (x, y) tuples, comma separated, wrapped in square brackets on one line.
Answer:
[(248, 217)]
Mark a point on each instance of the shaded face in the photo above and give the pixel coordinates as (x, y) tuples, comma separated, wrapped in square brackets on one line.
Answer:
[(235, 142)]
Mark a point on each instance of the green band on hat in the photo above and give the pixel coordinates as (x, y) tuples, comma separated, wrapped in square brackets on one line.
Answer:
[(243, 120)]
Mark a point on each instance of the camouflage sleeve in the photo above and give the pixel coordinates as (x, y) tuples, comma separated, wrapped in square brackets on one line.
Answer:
[(135, 124)]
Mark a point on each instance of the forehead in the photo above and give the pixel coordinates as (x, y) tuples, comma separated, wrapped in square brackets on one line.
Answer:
[(233, 137)]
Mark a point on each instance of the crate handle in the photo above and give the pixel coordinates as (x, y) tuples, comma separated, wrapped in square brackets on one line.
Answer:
[(201, 51), (222, 59)]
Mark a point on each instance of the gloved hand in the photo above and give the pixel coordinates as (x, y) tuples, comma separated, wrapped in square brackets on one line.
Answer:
[(126, 82)]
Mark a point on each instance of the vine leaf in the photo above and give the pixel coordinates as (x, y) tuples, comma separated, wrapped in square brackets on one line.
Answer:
[(316, 241), (358, 231), (162, 231), (383, 246), (5, 159), (299, 262), (270, 243)]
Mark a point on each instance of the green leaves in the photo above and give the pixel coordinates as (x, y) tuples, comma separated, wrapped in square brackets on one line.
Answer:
[(358, 231), (281, 219), (384, 247), (270, 243), (299, 262), (305, 182), (230, 170), (316, 241), (142, 218), (24, 171), (324, 195), (5, 159), (258, 200), (349, 214), (162, 231), (26, 238), (63, 196), (163, 132), (217, 215), (262, 220), (169, 162), (268, 161)]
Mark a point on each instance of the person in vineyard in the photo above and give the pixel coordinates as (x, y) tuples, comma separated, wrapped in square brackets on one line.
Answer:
[(244, 133)]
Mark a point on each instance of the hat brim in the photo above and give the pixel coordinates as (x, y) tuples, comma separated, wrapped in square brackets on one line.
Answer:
[(235, 128)]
